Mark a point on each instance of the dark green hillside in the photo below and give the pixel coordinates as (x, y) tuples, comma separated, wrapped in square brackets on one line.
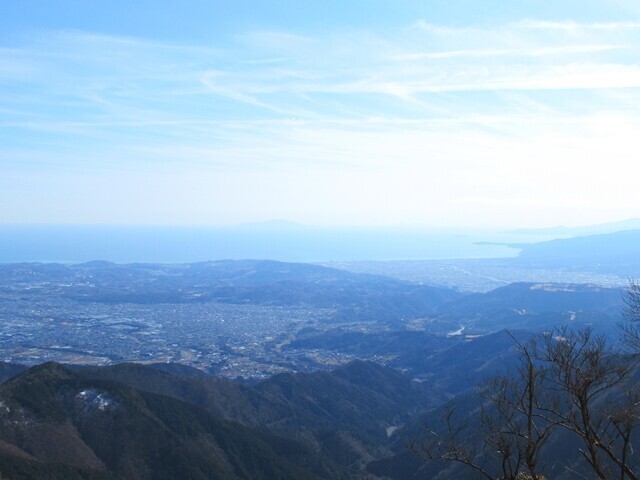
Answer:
[(344, 414), (360, 394), (179, 369), (53, 415), (8, 370), (465, 364), (16, 468), (223, 398)]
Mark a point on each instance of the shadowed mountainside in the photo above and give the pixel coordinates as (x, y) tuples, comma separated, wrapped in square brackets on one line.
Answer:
[(55, 416)]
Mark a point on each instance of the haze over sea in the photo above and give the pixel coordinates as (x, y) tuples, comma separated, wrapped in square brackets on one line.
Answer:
[(282, 241)]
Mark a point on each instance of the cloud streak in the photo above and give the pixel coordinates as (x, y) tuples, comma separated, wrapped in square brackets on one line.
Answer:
[(127, 73), (434, 116), (575, 26), (540, 52)]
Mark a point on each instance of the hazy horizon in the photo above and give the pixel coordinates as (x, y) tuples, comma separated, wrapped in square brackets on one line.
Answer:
[(275, 240), (367, 113), (292, 243), (286, 223)]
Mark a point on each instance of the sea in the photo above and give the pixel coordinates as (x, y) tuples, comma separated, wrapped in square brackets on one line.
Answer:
[(283, 242)]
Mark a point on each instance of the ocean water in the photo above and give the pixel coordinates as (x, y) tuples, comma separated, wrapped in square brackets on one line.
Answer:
[(292, 243)]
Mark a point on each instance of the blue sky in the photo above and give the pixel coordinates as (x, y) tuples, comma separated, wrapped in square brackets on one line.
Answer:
[(431, 113)]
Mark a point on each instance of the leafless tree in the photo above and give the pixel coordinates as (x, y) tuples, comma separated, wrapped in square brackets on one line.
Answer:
[(567, 381), (597, 399), (513, 427), (630, 325)]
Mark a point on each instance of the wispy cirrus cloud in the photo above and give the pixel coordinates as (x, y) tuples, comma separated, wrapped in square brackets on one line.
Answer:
[(116, 71), (538, 52), (434, 116), (570, 26)]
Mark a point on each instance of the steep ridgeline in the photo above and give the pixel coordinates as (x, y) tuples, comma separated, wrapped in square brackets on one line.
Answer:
[(347, 414), (55, 423), (350, 412), (172, 421), (9, 370)]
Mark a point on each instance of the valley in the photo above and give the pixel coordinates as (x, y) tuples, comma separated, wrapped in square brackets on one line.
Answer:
[(252, 319), (319, 240), (325, 372)]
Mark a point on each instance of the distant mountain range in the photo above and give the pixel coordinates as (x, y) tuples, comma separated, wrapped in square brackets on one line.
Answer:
[(616, 253), (130, 421), (611, 227), (604, 258), (169, 421)]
